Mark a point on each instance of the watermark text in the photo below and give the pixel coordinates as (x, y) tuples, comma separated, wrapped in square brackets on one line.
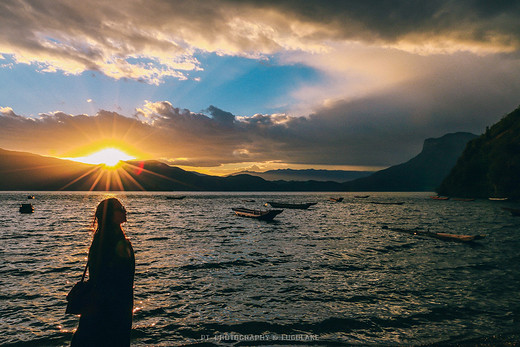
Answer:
[(260, 337)]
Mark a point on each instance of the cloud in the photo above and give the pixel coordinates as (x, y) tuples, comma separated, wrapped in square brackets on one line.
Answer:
[(424, 26), (159, 39), (394, 73), (378, 129)]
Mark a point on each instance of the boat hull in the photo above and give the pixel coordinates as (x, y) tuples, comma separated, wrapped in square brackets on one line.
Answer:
[(440, 236), (293, 206), (26, 208), (256, 214)]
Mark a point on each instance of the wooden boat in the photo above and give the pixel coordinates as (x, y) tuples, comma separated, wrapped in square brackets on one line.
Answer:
[(336, 199), (26, 208), (387, 202), (498, 199), (176, 197), (361, 196), (293, 206), (437, 197), (455, 237), (514, 211), (257, 214), (440, 236)]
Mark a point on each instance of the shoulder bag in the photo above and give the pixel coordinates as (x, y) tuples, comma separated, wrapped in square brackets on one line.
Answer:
[(80, 296)]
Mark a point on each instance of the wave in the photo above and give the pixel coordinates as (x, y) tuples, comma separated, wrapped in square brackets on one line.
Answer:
[(220, 265)]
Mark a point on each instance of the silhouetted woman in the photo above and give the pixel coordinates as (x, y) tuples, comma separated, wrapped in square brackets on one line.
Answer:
[(108, 320)]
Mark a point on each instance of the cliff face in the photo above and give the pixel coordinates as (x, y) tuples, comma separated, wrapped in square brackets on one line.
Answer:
[(490, 164), (422, 173)]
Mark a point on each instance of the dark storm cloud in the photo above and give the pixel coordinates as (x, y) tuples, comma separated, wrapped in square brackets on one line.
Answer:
[(467, 20), (107, 36)]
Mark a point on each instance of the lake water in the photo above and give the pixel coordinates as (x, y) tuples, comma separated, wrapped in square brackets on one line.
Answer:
[(329, 275)]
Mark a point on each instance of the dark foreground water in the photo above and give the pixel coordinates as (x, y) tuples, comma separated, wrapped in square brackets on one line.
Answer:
[(324, 276)]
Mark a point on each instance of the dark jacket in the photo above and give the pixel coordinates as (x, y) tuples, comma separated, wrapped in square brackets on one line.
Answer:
[(108, 320)]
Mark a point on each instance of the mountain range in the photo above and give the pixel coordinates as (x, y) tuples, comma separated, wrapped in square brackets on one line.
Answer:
[(307, 175), (424, 172), (30, 172)]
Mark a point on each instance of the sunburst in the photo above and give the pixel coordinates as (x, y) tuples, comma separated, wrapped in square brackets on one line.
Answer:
[(113, 172), (110, 157)]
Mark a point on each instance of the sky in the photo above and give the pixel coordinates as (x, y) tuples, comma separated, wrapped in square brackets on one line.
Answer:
[(222, 86)]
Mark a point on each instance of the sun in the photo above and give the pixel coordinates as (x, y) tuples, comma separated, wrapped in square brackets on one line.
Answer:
[(108, 156)]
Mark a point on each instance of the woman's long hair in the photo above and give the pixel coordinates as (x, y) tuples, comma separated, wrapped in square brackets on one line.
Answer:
[(103, 218), (107, 233)]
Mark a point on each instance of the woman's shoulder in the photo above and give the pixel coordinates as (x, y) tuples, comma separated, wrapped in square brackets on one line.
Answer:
[(124, 248)]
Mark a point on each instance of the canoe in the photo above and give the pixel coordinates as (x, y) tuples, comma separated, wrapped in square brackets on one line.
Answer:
[(455, 237), (498, 199), (26, 208), (257, 214), (514, 211), (436, 197), (361, 196), (176, 197), (336, 199), (440, 236), (293, 206)]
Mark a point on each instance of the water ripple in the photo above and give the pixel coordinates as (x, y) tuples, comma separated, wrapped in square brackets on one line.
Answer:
[(330, 271)]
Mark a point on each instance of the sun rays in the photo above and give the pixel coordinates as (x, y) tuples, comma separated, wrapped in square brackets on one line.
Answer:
[(110, 157), (125, 176)]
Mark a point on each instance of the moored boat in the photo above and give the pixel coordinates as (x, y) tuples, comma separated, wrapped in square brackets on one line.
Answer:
[(176, 197), (303, 206), (26, 208), (257, 214), (456, 237), (498, 199), (336, 199), (437, 197), (440, 236), (361, 196)]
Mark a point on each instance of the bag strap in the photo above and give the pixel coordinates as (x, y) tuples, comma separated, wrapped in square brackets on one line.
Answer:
[(84, 272)]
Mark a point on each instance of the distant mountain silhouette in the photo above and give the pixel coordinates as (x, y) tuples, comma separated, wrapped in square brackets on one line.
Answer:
[(490, 164), (422, 173), (307, 175), (25, 171), (30, 172)]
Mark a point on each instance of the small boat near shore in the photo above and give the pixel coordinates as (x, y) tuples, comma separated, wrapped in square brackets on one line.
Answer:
[(361, 196), (303, 206), (437, 197), (176, 197), (498, 199), (26, 208), (336, 199), (514, 211), (257, 214), (440, 236)]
